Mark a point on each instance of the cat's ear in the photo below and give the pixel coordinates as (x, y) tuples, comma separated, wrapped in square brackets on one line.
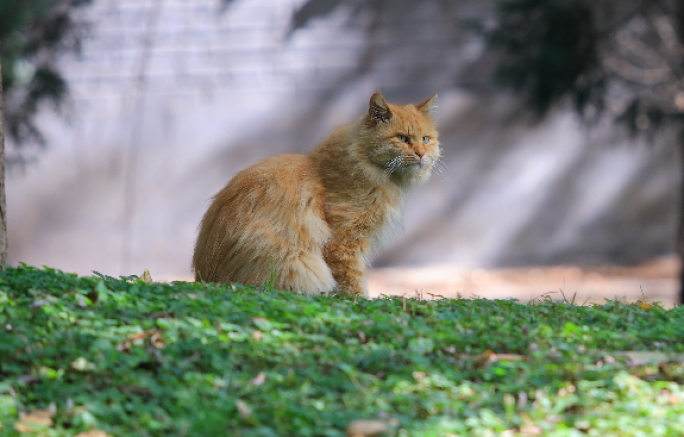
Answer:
[(378, 109), (429, 106)]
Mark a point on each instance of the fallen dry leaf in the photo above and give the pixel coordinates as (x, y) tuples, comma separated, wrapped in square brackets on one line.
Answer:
[(93, 433), (82, 365), (451, 350), (669, 397), (243, 409), (146, 276), (641, 358), (366, 428), (531, 430), (124, 347), (491, 357), (137, 336), (155, 336), (34, 421), (419, 376), (41, 413), (30, 426), (259, 320), (508, 357), (582, 425), (156, 339), (259, 379)]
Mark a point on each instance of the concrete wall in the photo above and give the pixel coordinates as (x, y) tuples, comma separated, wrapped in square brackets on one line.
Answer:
[(171, 97)]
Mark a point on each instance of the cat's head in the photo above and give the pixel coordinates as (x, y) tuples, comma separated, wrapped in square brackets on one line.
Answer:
[(400, 141)]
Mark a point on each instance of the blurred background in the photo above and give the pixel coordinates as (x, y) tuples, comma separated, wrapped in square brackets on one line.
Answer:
[(560, 122)]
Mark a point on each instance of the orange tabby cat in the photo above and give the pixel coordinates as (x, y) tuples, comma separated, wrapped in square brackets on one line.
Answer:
[(310, 221)]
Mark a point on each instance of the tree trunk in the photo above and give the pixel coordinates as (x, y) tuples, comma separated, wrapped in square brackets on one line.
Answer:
[(679, 23), (3, 203), (680, 225)]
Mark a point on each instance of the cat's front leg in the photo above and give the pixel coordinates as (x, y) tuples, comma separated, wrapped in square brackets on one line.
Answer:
[(347, 265)]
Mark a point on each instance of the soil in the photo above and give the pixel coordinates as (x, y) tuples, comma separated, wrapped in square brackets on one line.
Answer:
[(652, 281)]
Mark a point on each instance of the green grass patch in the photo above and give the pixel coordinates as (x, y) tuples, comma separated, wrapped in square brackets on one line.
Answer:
[(188, 359)]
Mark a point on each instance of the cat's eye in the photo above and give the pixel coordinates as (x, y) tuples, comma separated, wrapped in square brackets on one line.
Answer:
[(404, 138), (426, 140)]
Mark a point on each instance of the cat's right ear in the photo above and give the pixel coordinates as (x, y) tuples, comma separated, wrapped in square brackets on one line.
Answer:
[(379, 111), (429, 106)]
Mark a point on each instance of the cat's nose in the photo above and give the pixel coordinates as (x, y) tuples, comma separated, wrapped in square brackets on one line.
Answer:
[(420, 153)]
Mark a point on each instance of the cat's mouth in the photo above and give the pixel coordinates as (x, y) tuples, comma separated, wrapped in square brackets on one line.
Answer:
[(406, 164), (421, 162), (414, 166)]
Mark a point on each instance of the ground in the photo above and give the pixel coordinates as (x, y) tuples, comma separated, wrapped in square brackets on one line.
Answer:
[(654, 280)]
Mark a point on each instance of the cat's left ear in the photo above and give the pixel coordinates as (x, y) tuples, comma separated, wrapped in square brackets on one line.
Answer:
[(378, 109), (429, 106)]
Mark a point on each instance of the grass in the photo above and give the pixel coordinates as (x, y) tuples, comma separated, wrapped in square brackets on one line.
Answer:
[(188, 359)]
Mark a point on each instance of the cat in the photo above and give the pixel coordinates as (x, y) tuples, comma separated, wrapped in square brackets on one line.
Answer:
[(308, 223)]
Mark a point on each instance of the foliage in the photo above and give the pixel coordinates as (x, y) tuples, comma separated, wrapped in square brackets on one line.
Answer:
[(549, 50), (620, 58), (184, 359), (32, 33)]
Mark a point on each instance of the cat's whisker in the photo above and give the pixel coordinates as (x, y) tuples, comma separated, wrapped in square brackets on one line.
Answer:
[(442, 164), (441, 169), (397, 163), (405, 160), (391, 166)]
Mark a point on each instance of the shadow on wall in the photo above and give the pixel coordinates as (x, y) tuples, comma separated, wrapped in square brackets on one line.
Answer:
[(515, 193)]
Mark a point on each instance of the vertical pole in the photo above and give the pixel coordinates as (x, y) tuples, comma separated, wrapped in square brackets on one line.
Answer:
[(3, 203), (130, 171), (679, 26), (680, 224)]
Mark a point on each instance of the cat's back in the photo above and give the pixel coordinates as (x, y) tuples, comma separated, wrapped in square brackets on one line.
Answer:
[(276, 203), (273, 177), (279, 187)]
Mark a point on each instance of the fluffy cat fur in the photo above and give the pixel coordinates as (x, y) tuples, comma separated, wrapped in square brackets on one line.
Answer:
[(310, 221)]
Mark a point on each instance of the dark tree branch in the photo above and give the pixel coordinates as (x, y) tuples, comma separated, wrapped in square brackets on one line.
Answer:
[(612, 27), (3, 203), (673, 64)]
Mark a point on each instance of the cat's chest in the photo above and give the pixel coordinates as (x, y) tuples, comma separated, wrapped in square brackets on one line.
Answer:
[(379, 216), (389, 222)]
